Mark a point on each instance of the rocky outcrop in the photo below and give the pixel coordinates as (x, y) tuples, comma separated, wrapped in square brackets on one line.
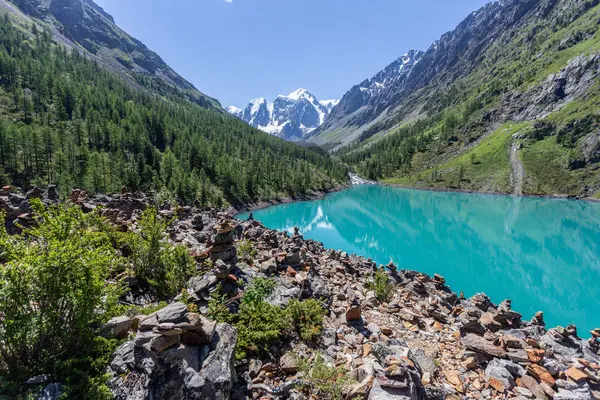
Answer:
[(175, 354), (556, 91)]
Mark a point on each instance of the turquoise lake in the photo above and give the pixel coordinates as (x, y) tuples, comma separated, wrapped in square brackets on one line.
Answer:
[(544, 254)]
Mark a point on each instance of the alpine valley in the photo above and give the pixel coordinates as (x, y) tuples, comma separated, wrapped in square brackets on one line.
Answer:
[(142, 256), (290, 117)]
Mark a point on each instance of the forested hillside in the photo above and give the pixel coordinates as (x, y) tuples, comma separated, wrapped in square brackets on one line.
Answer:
[(66, 120), (507, 102)]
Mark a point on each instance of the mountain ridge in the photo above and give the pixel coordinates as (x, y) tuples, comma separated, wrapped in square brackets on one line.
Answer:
[(84, 25), (516, 74), (291, 117)]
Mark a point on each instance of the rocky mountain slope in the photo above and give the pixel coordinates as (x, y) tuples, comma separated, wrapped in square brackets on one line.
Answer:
[(368, 99), (384, 333), (84, 25), (516, 74), (290, 117)]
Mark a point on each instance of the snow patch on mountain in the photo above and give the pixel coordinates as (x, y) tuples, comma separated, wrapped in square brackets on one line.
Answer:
[(234, 111), (289, 116)]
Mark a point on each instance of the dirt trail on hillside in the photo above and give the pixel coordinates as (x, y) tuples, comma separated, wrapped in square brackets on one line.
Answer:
[(517, 172)]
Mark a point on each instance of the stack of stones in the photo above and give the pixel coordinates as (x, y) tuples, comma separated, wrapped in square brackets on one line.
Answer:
[(173, 326), (223, 248)]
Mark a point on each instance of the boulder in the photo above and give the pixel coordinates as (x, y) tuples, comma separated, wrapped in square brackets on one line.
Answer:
[(182, 372), (51, 391), (117, 327), (288, 363), (268, 267), (496, 369), (482, 346), (381, 392), (171, 313)]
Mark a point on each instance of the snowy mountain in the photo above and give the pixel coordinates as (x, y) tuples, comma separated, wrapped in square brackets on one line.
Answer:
[(365, 101), (234, 111), (290, 117)]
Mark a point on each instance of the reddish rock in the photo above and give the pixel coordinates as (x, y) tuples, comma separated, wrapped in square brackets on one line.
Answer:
[(541, 373), (576, 374)]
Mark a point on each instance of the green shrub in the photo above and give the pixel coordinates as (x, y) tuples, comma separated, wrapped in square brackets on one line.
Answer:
[(321, 380), (306, 318), (217, 309), (259, 323), (259, 289), (382, 286), (165, 267), (259, 326), (245, 249), (53, 289)]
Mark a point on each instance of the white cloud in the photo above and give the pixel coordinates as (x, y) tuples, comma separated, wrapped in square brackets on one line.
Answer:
[(228, 1)]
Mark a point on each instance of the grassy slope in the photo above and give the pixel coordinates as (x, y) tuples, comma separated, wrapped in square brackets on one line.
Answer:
[(485, 167)]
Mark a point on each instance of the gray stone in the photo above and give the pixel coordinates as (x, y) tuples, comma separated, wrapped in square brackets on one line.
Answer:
[(424, 362), (387, 393), (148, 323), (217, 374), (283, 292), (254, 367), (117, 327), (328, 337), (518, 356), (288, 363), (268, 267), (50, 392), (160, 343), (123, 358), (319, 289), (221, 269), (200, 285), (480, 345), (523, 392), (495, 369), (144, 337), (172, 313)]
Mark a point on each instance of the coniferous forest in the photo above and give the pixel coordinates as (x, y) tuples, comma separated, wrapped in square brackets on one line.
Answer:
[(66, 120)]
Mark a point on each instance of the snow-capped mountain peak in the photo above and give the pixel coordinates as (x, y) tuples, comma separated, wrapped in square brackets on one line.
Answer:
[(234, 111), (290, 117), (298, 94)]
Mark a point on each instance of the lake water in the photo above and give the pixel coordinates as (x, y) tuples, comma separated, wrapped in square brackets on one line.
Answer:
[(543, 254)]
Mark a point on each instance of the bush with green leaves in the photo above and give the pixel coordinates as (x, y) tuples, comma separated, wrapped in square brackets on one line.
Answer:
[(165, 267), (245, 249), (306, 318), (217, 307), (259, 324), (382, 286), (54, 290), (322, 380)]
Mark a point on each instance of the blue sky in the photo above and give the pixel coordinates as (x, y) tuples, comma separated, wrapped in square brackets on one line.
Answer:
[(241, 49)]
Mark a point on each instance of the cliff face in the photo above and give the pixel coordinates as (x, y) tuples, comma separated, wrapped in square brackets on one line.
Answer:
[(85, 25)]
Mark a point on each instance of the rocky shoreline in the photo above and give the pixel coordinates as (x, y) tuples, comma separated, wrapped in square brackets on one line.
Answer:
[(424, 342), (285, 200)]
